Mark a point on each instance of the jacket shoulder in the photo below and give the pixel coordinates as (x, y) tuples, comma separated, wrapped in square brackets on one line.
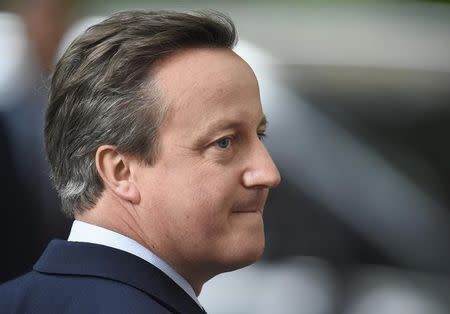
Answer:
[(37, 293)]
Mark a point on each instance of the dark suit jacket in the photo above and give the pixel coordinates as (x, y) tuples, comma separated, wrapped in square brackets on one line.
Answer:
[(74, 277)]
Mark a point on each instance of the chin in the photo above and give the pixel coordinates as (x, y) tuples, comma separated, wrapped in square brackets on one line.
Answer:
[(246, 254), (233, 258)]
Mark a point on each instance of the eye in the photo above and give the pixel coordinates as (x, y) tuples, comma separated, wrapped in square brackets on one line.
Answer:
[(262, 136), (223, 143)]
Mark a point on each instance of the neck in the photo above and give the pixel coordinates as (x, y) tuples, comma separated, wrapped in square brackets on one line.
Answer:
[(119, 218)]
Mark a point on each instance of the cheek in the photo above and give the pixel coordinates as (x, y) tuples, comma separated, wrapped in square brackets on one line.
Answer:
[(207, 185), (193, 199), (204, 200), (208, 199)]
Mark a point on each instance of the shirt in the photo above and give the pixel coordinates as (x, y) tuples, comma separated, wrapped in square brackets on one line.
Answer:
[(85, 232)]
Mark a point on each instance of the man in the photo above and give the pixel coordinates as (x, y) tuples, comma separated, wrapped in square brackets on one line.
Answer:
[(154, 136)]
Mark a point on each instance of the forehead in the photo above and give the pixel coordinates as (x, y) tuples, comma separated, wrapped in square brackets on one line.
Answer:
[(205, 78)]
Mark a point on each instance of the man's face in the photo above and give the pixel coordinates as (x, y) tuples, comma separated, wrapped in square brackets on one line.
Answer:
[(202, 200)]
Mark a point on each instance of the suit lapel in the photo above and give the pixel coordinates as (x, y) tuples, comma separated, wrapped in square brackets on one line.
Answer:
[(86, 259)]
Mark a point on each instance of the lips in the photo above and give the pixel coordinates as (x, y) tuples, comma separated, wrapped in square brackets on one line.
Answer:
[(256, 207), (253, 203), (248, 211)]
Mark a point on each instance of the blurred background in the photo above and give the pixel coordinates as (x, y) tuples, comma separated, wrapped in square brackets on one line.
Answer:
[(357, 95)]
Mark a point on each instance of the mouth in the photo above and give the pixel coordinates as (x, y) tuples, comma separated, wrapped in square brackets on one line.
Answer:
[(253, 205), (249, 211)]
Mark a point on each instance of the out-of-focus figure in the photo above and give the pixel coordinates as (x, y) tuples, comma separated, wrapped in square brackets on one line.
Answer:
[(28, 200), (45, 23)]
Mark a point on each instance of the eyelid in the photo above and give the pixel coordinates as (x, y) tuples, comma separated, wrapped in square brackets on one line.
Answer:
[(262, 134), (230, 137)]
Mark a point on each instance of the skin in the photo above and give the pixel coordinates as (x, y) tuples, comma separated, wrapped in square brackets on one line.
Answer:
[(200, 205)]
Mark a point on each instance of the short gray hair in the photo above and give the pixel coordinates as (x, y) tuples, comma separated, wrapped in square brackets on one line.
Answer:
[(103, 92)]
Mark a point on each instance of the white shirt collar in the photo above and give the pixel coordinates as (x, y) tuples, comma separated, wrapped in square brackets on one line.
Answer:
[(85, 232)]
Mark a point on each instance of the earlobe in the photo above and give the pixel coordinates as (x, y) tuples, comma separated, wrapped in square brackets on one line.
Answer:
[(128, 191), (114, 169)]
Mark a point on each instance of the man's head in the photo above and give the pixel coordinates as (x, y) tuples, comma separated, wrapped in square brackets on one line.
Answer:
[(154, 129), (103, 91)]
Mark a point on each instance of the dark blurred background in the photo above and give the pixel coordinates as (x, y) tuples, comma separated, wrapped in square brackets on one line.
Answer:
[(357, 94)]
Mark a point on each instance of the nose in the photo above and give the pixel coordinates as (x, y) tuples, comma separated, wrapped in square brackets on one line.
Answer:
[(262, 171)]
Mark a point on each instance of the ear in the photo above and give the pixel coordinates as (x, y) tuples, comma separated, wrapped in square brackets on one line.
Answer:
[(114, 168)]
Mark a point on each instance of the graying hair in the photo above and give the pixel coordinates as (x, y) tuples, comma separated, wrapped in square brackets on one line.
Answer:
[(103, 92)]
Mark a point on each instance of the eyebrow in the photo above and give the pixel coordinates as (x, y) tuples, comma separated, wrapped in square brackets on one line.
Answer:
[(263, 121), (226, 125), (231, 124)]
